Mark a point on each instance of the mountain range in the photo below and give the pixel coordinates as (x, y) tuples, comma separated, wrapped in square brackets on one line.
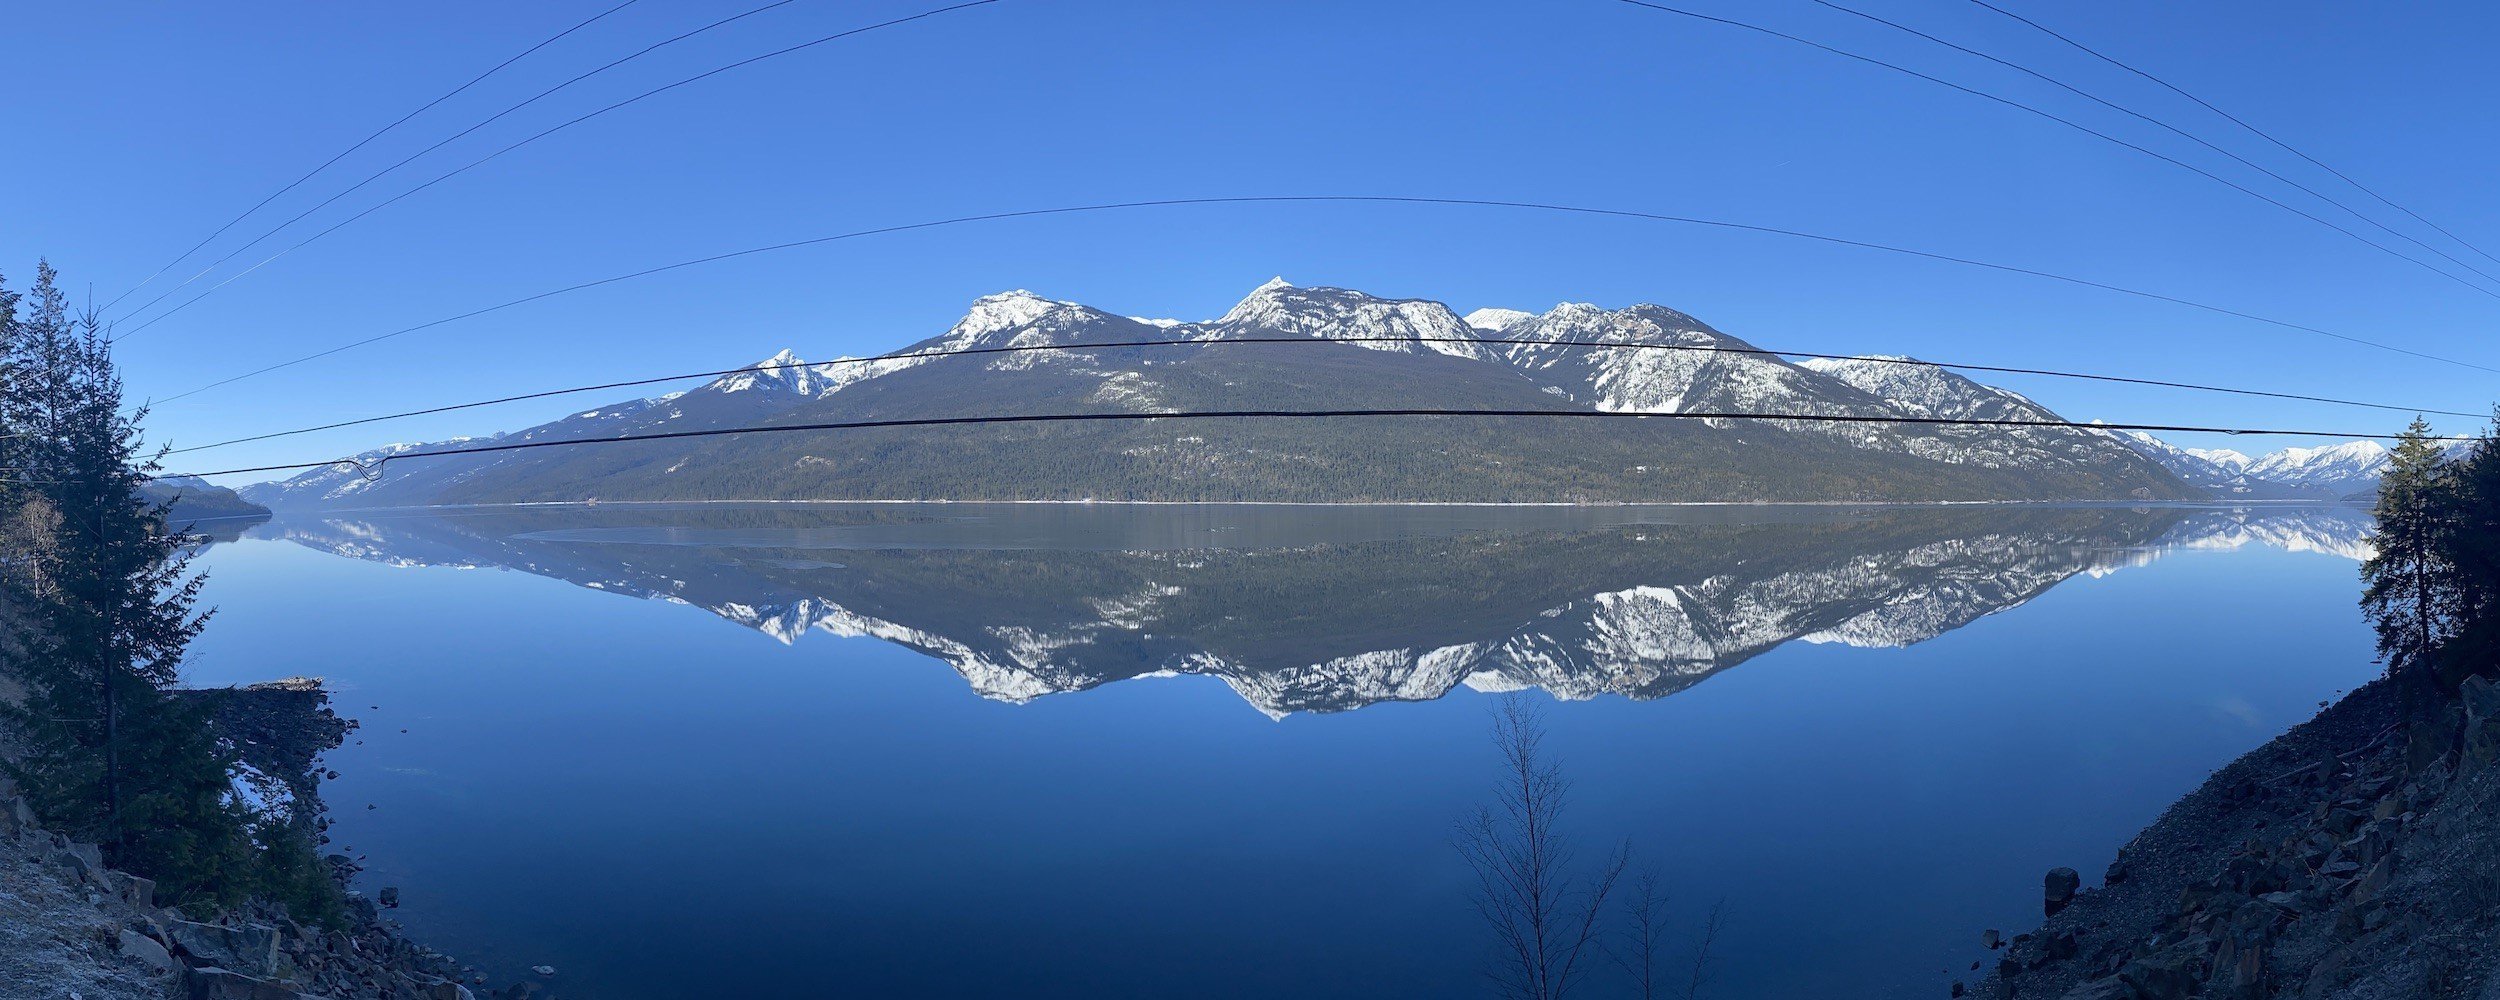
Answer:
[(2342, 471), (1394, 353)]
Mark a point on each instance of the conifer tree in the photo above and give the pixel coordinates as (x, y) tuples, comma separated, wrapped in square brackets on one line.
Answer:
[(2407, 583), (109, 756), (2471, 554)]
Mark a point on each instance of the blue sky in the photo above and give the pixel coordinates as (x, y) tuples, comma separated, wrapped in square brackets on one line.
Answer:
[(138, 128)]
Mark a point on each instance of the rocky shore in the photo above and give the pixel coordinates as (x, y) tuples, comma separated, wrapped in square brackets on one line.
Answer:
[(2357, 856), (70, 927)]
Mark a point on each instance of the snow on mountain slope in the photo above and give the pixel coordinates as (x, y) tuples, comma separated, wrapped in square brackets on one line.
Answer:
[(1405, 325), (1926, 390), (1494, 321), (1692, 368), (2223, 458), (2352, 465), (2186, 463)]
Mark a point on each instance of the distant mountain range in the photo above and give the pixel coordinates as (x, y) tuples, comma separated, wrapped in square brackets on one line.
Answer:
[(1323, 610), (2334, 472), (1411, 352), (193, 499)]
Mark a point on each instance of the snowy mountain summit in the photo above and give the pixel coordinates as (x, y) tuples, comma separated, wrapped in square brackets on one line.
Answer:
[(1300, 347)]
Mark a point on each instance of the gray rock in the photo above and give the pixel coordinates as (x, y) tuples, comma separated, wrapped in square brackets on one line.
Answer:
[(2372, 882), (16, 816), (213, 983), (2106, 989), (88, 862), (2059, 888), (251, 949), (390, 896), (146, 950), (140, 893)]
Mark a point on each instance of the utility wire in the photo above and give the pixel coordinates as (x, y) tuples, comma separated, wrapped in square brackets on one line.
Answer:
[(2236, 120), (2072, 124), (378, 175), (374, 466), (2173, 129), (1329, 199), (1123, 344), (360, 144), (481, 161)]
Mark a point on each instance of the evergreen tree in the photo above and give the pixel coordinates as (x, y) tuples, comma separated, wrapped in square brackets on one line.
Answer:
[(108, 755), (2407, 583), (2471, 553)]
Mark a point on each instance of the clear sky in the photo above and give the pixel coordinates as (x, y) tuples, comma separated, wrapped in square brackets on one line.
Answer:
[(136, 128)]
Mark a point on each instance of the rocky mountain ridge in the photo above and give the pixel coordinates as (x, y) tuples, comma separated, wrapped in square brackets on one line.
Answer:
[(1399, 353)]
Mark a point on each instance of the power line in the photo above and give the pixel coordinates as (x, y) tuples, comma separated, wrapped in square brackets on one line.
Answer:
[(1324, 199), (481, 161), (2235, 120), (1125, 344), (2173, 129), (2072, 124), (360, 144), (378, 175), (374, 466)]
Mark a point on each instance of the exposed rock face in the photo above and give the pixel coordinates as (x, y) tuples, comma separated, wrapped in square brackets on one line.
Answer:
[(2332, 862)]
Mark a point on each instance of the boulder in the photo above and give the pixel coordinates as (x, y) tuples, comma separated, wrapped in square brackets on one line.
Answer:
[(251, 949), (16, 816), (2372, 882), (140, 893), (2105, 989), (88, 861), (2167, 976), (2059, 888), (212, 983), (146, 950), (390, 897)]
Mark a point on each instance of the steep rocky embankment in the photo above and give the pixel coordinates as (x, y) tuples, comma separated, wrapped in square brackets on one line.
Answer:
[(70, 927), (2357, 856)]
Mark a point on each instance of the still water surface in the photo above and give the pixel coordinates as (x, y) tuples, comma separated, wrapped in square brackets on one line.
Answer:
[(1111, 751)]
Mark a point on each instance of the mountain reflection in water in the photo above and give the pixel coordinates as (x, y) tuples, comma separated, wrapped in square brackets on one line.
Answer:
[(1323, 609)]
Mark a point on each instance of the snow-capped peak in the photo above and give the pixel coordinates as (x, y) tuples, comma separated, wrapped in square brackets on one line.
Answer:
[(1365, 320), (2349, 462), (782, 371), (1002, 311), (1259, 299), (2223, 457), (1497, 320)]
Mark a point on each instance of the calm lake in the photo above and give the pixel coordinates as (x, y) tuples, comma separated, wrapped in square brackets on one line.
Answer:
[(1123, 751)]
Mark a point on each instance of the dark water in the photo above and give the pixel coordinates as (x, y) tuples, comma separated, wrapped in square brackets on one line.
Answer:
[(1218, 751)]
